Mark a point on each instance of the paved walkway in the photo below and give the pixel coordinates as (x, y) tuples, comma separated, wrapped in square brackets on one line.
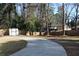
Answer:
[(41, 48)]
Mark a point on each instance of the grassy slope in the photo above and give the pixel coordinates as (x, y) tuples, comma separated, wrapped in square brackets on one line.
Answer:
[(11, 46)]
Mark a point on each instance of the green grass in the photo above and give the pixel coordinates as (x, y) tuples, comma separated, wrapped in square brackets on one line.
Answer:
[(12, 46)]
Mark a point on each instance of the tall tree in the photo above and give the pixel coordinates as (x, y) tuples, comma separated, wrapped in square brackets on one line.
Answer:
[(77, 6), (63, 20)]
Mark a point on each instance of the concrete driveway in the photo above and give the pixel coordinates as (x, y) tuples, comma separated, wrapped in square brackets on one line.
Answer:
[(41, 48)]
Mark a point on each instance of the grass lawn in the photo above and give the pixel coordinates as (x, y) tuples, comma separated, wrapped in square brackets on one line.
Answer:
[(11, 46), (71, 46)]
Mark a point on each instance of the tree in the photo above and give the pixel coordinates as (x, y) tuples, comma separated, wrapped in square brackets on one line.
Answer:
[(11, 15), (3, 7), (62, 13), (77, 6)]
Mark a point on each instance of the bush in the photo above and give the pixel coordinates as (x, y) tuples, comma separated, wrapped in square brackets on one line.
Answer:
[(11, 47)]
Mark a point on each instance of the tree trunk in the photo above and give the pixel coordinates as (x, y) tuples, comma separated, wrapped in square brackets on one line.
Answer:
[(63, 20), (47, 21), (76, 16)]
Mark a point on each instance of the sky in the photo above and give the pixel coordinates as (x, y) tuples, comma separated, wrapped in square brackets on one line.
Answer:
[(18, 9), (54, 5)]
